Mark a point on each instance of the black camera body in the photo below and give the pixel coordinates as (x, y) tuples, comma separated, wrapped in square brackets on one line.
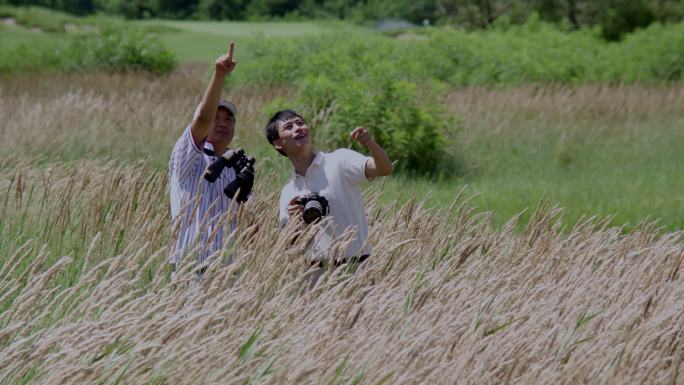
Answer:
[(315, 207), (244, 169)]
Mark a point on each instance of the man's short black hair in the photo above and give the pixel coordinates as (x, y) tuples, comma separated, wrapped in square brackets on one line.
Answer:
[(272, 126)]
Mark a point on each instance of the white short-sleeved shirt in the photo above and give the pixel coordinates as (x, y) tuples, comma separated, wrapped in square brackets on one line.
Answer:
[(337, 176), (197, 206)]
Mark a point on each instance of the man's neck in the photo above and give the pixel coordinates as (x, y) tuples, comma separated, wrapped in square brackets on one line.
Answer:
[(301, 163), (219, 147)]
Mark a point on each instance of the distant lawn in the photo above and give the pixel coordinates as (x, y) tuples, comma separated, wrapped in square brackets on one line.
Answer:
[(190, 41), (13, 35), (204, 40)]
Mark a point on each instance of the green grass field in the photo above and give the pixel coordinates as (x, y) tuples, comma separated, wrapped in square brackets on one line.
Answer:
[(198, 41), (12, 35), (190, 41)]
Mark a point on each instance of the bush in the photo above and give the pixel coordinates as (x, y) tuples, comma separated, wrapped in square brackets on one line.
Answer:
[(406, 121), (113, 49), (504, 55), (33, 58), (123, 50), (534, 52), (652, 55), (351, 78), (344, 83)]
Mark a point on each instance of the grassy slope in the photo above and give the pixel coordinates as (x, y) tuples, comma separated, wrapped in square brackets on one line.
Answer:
[(199, 40), (644, 184), (13, 35), (190, 42), (592, 150)]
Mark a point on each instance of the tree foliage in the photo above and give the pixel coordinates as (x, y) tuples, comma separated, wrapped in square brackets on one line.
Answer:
[(616, 17)]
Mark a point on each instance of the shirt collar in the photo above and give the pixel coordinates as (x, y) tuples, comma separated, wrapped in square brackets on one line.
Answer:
[(317, 161)]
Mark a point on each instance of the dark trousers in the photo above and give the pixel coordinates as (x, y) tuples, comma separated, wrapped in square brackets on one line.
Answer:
[(351, 260)]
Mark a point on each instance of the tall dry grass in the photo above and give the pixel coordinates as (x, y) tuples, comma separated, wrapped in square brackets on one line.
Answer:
[(445, 298), (583, 111), (126, 117), (113, 116)]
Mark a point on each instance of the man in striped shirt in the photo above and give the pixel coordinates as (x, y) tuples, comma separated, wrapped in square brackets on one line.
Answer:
[(198, 208)]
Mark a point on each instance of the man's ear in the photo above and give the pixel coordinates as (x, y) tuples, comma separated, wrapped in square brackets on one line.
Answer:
[(278, 144)]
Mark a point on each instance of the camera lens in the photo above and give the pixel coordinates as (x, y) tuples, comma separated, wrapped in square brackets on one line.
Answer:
[(312, 211)]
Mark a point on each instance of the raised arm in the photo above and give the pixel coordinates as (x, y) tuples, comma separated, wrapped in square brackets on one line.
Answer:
[(380, 164), (203, 122)]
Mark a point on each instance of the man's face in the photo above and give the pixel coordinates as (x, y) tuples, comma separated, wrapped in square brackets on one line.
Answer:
[(294, 136), (224, 127)]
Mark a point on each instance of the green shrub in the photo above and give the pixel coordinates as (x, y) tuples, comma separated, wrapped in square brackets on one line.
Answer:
[(405, 120), (652, 55), (343, 83), (122, 50), (349, 79), (504, 55), (534, 52), (33, 58), (113, 49)]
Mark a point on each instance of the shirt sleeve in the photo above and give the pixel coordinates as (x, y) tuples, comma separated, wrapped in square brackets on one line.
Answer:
[(185, 156), (353, 165)]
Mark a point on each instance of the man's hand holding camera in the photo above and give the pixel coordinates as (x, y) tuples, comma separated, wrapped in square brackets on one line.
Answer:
[(295, 207), (312, 206)]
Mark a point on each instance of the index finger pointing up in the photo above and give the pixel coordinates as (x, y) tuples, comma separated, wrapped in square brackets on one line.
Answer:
[(230, 49)]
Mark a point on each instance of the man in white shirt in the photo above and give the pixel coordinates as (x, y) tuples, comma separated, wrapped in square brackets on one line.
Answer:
[(336, 176), (197, 206)]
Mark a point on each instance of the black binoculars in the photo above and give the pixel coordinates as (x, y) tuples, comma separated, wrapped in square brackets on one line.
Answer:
[(244, 168)]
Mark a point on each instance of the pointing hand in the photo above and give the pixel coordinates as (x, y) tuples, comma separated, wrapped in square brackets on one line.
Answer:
[(225, 63)]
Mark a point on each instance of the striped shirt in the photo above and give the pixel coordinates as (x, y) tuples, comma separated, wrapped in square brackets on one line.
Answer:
[(198, 207)]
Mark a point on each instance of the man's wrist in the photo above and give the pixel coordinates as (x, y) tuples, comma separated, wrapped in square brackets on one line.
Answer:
[(221, 74), (372, 145)]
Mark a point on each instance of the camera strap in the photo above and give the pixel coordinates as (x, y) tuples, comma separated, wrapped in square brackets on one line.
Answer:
[(208, 149)]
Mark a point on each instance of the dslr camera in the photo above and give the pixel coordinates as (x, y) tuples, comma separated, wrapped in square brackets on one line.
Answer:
[(243, 165), (315, 207)]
